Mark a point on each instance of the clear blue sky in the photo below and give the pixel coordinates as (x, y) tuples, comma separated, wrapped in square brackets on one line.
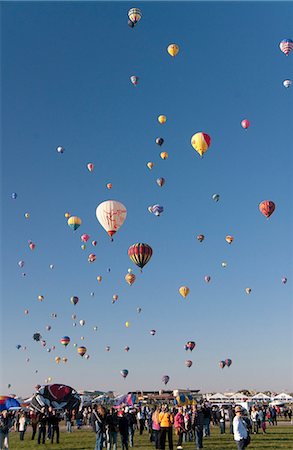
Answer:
[(65, 81)]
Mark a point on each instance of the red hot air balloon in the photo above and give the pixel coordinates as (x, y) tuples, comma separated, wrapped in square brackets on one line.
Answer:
[(222, 364), (245, 124), (200, 237), (228, 362), (84, 237), (267, 207), (207, 278)]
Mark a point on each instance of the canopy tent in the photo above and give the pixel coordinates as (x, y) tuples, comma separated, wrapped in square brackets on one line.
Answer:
[(283, 397), (238, 397), (218, 397), (260, 397)]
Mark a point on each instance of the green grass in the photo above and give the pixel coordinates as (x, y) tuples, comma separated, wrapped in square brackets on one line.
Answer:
[(280, 437)]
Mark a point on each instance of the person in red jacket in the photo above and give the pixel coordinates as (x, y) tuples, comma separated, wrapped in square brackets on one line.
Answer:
[(179, 427)]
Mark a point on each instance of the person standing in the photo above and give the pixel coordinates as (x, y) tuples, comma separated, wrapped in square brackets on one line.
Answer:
[(239, 429), (179, 427), (42, 422), (254, 418), (49, 416), (123, 429), (231, 415), (5, 425), (34, 423), (22, 426), (98, 420), (55, 427), (131, 420), (222, 420), (112, 429), (166, 422), (68, 420), (156, 428), (197, 420), (141, 420), (207, 415)]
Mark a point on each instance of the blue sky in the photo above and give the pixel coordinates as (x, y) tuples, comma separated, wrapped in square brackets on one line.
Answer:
[(65, 81)]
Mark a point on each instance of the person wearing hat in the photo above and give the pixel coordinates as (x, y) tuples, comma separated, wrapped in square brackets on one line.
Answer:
[(241, 435)]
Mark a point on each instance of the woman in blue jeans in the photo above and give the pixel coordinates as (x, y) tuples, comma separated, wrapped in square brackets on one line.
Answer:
[(98, 421)]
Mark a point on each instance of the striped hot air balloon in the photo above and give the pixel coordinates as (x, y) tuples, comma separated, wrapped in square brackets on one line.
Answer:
[(200, 142), (286, 46), (267, 207), (81, 351), (74, 222), (140, 254), (65, 340), (134, 14)]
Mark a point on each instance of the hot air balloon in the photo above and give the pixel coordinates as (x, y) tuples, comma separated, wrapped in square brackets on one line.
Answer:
[(200, 237), (134, 80), (83, 246), (228, 362), (94, 243), (64, 359), (111, 215), (188, 363), (81, 351), (130, 277), (40, 298), (82, 338), (162, 119), (200, 142), (32, 246), (27, 215), (245, 124), (108, 348), (91, 258), (229, 239), (159, 141), (248, 290), (14, 195), (57, 359), (54, 315), (65, 340), (74, 222), (287, 83), (26, 311), (127, 324), (126, 349), (150, 165), (216, 197), (165, 379), (74, 300), (153, 332), (99, 278), (18, 346), (48, 327), (207, 278), (109, 185), (21, 263), (284, 280), (224, 264), (115, 297), (140, 254), (134, 14), (190, 345), (161, 181), (51, 266), (82, 322), (157, 210), (138, 310), (124, 373), (90, 167), (87, 357), (67, 215), (37, 337), (286, 46), (95, 328), (164, 155), (222, 364), (184, 291), (60, 149), (84, 237), (267, 207), (173, 50), (43, 343)]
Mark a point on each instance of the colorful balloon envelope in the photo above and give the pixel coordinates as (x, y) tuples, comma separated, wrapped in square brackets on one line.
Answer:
[(173, 50), (153, 332), (222, 364), (84, 237), (140, 254), (40, 298), (267, 207), (228, 362), (32, 246), (21, 263), (126, 349), (165, 379), (82, 322), (157, 210), (111, 215), (74, 300), (81, 351), (134, 80), (284, 280), (184, 291), (94, 243), (64, 359), (115, 297), (127, 324), (164, 155), (190, 345), (109, 185), (124, 373), (188, 363), (286, 46), (134, 14), (90, 167), (216, 197), (99, 278), (229, 239), (207, 278), (26, 311), (27, 215), (65, 340), (91, 258), (287, 83), (162, 119), (57, 359), (130, 278), (74, 222), (159, 141), (248, 290), (224, 264), (150, 165), (161, 182), (200, 142), (245, 124), (67, 215), (200, 237)]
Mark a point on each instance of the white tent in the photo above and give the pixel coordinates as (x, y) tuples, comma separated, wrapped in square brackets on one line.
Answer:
[(283, 397), (239, 397), (260, 397), (218, 397)]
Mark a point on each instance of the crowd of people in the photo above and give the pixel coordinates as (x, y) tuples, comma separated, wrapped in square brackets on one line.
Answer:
[(119, 424)]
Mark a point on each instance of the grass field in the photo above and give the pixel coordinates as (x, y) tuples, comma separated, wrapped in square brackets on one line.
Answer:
[(280, 437)]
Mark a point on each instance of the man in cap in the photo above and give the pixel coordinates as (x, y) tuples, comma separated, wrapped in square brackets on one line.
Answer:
[(241, 435)]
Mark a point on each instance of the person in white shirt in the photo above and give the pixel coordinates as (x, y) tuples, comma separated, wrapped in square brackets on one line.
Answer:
[(239, 429)]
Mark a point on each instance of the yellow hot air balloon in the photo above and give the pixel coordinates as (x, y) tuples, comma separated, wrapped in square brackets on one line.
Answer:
[(130, 278), (134, 14), (173, 50), (162, 119), (150, 165), (200, 142), (57, 359), (184, 291), (164, 155), (40, 298), (127, 324), (67, 215), (99, 278), (74, 222), (229, 239)]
